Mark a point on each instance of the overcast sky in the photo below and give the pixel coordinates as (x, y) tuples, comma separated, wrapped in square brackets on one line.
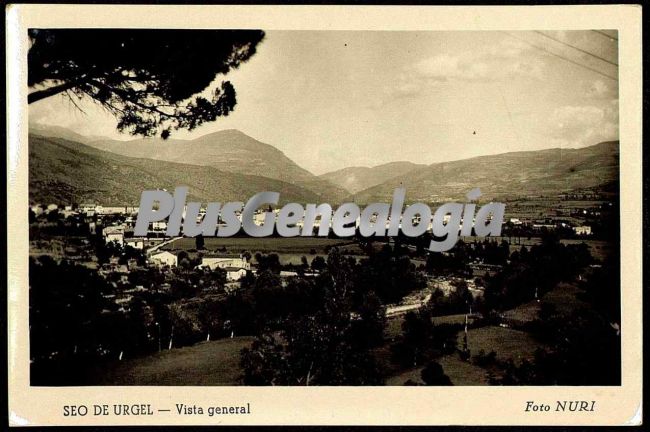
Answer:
[(329, 100)]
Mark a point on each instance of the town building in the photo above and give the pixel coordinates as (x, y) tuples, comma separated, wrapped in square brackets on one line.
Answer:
[(225, 261), (234, 273), (164, 258), (159, 226), (114, 234), (111, 210), (135, 242), (87, 209)]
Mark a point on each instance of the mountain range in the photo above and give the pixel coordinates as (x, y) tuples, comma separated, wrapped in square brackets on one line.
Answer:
[(64, 171), (507, 175), (228, 165), (228, 150)]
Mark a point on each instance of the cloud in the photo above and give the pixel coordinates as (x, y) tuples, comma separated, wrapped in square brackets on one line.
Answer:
[(599, 89), (574, 126), (504, 61), (444, 67)]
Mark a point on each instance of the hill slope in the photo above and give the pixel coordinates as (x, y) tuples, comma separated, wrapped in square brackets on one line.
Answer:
[(515, 174), (63, 171), (355, 179), (227, 150)]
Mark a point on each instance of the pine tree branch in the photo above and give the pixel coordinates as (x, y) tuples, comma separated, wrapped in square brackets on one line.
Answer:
[(37, 95)]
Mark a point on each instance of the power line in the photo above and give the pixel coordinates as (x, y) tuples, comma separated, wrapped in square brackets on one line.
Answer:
[(576, 48), (605, 34), (562, 57), (505, 105)]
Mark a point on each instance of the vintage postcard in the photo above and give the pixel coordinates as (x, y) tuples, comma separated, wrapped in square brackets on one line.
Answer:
[(324, 215)]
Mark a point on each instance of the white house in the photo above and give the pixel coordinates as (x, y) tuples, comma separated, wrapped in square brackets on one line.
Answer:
[(234, 274), (159, 226), (135, 242), (225, 261), (114, 233), (110, 210), (164, 258)]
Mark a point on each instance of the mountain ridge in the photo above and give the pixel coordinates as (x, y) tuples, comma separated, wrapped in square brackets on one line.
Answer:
[(228, 150), (521, 173), (63, 171), (512, 174)]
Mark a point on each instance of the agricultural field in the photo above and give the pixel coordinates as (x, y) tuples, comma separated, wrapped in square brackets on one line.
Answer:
[(563, 297), (265, 244), (289, 249), (507, 343), (461, 373)]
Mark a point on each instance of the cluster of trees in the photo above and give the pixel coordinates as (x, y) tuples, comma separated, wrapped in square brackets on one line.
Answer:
[(422, 341), (458, 301), (389, 273), (54, 223), (324, 330), (530, 273), (327, 345), (583, 348), (580, 349), (124, 253), (457, 260), (63, 300), (75, 320)]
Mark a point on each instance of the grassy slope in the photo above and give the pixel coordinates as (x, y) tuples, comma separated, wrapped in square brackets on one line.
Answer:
[(205, 364)]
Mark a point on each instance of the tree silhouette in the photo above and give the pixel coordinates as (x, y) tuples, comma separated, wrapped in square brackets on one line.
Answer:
[(200, 242), (318, 346), (434, 375), (152, 81)]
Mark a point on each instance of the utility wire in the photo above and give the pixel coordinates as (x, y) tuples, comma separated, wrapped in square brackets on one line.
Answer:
[(576, 48), (605, 34), (562, 57)]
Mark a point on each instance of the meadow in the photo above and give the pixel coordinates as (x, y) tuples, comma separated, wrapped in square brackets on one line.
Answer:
[(213, 363), (304, 245), (289, 249)]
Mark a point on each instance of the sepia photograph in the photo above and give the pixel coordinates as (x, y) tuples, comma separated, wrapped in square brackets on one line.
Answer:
[(235, 217), (530, 118)]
